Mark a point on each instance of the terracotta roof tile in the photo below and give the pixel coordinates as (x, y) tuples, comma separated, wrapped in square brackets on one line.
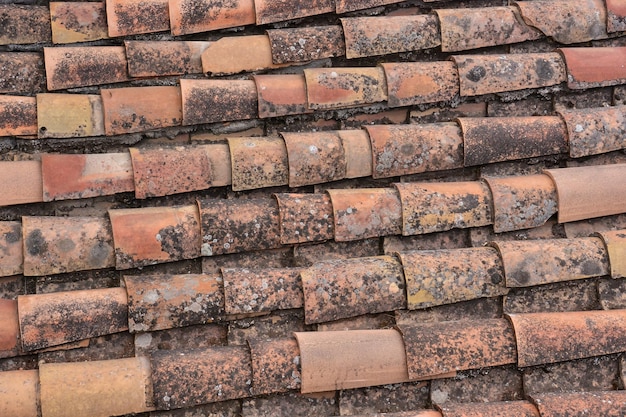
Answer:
[(607, 68), (78, 21), (390, 399), (10, 335), (595, 131), (25, 24), (191, 16), (615, 242), (358, 150), (275, 365), (322, 404), (616, 16), (11, 248), (607, 403), (306, 43), (495, 409), (577, 295), (411, 83), (584, 228), (22, 387), (611, 293), (451, 239), (269, 11), (281, 95), (21, 182), (18, 115), (305, 218), (160, 58), (307, 255), (253, 54), (208, 101), (69, 115), (22, 73), (130, 17), (344, 6), (258, 162)]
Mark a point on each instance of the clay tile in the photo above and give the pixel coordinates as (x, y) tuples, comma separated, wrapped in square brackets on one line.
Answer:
[(131, 17), (96, 388), (603, 403), (258, 162), (24, 24), (78, 21), (139, 109), (18, 115), (69, 115), (484, 74), (414, 148), (351, 359), (411, 83), (152, 235), (615, 242), (184, 378), (437, 348), (85, 175), (492, 409), (566, 21), (357, 148), (305, 218), (615, 16), (594, 67), (23, 73), (21, 182), (530, 263), (239, 225), (270, 11), (262, 290), (437, 207), (495, 139), (81, 66), (19, 393), (436, 277), (275, 365), (554, 337), (580, 189), (160, 58), (54, 245), (471, 28), (9, 330), (367, 212), (521, 202), (332, 88), (209, 101), (11, 248), (253, 54), (314, 157), (56, 318), (595, 131), (281, 95), (340, 289), (219, 158), (344, 6), (371, 36), (193, 16), (157, 302), (306, 43)]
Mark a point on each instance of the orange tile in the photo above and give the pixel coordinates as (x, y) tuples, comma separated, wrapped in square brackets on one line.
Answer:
[(25, 70), (615, 242), (253, 54), (11, 248), (80, 66), (411, 83), (281, 95), (594, 67), (27, 24), (193, 16), (305, 217), (258, 162), (160, 58), (69, 115), (210, 101), (140, 109), (10, 334), (595, 131), (275, 365), (302, 44), (270, 11), (131, 17), (18, 115), (78, 21), (603, 403), (494, 409), (344, 6), (20, 391), (357, 148), (21, 182), (219, 157), (616, 16)]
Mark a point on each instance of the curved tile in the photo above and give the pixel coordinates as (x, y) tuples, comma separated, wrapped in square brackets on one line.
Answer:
[(594, 67), (69, 115), (578, 404), (492, 409), (25, 24), (20, 391), (253, 54), (31, 65), (275, 365), (615, 242), (595, 131), (281, 95), (303, 44), (615, 16), (9, 330), (344, 6), (305, 218), (210, 101), (18, 115), (270, 11), (193, 16), (78, 21), (21, 182), (411, 83), (358, 152), (258, 162), (11, 248), (132, 17), (161, 58)]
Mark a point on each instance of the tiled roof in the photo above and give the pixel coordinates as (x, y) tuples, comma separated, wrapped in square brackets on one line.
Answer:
[(285, 208)]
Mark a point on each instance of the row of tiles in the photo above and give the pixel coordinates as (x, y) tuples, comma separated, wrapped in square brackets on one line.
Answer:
[(328, 290), (131, 238), (300, 159), (330, 360)]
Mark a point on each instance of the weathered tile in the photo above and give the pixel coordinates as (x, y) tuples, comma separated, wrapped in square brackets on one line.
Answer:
[(57, 318), (594, 67), (604, 403), (102, 348), (275, 365), (209, 101), (303, 44), (314, 157), (80, 66), (10, 334), (161, 58), (192, 16), (24, 24), (253, 54), (392, 116), (273, 258), (11, 249), (278, 325), (484, 74), (530, 106), (18, 115), (579, 295), (131, 17), (270, 11), (188, 337), (258, 162), (344, 6), (281, 95), (230, 408), (307, 255), (20, 392), (364, 322), (351, 359), (54, 245), (615, 242), (586, 228), (69, 115), (595, 131), (386, 399), (305, 218), (78, 21), (357, 148), (448, 114), (495, 409), (292, 404), (22, 73), (411, 83), (451, 239), (615, 16)]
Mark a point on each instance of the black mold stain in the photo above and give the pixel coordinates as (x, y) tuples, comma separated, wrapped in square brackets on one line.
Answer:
[(476, 74), (36, 245)]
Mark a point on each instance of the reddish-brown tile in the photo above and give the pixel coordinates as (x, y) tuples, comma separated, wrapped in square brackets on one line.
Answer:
[(209, 101), (332, 88), (54, 245), (258, 162), (281, 95), (22, 73), (69, 115), (24, 24), (314, 157), (21, 182), (521, 202), (152, 235), (160, 58), (438, 348), (306, 43), (616, 16), (219, 157), (367, 212), (606, 403), (436, 207), (184, 378), (554, 337), (357, 148), (193, 16), (594, 67), (436, 277), (615, 242), (344, 6), (131, 17), (231, 226), (157, 302), (275, 365), (484, 74), (351, 359), (253, 54), (411, 83), (270, 11), (580, 189), (11, 249), (595, 131), (97, 388), (56, 318), (20, 393), (10, 334), (80, 66), (494, 409), (305, 218), (566, 21), (18, 115), (78, 21), (347, 288)]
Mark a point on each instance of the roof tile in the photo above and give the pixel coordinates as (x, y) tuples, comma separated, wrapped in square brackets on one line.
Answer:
[(275, 365), (78, 21), (578, 295), (281, 95), (258, 162), (21, 73), (411, 83), (493, 409), (595, 131), (344, 6), (615, 242), (270, 11), (192, 16), (607, 403), (219, 157), (209, 101), (307, 255), (21, 182), (388, 399), (586, 228), (314, 157), (18, 115), (611, 293), (594, 67), (500, 383), (358, 150), (616, 16), (305, 218), (306, 43), (11, 248), (69, 115), (9, 323), (273, 258), (451, 239), (253, 54), (161, 58), (131, 17), (25, 24), (23, 388)]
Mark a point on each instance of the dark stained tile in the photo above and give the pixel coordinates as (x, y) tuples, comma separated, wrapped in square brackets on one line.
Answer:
[(292, 404), (161, 58), (270, 11), (191, 16), (188, 337), (11, 287), (580, 295), (616, 16), (344, 6), (307, 255), (605, 403), (18, 115), (392, 398), (607, 68), (448, 114), (414, 83), (305, 217), (303, 44), (24, 24), (281, 94), (272, 258), (531, 106), (586, 228), (502, 383), (209, 101), (364, 322), (73, 22), (479, 309), (230, 408), (258, 162), (451, 239), (22, 73), (275, 365), (109, 347), (584, 127), (612, 293), (495, 409), (11, 249), (131, 17), (278, 325)]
